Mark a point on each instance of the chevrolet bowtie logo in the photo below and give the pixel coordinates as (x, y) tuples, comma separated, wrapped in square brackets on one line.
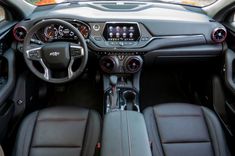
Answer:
[(54, 53)]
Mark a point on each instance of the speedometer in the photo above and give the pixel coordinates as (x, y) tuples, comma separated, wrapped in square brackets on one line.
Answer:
[(51, 32)]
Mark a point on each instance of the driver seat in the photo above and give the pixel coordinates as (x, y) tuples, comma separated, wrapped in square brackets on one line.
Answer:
[(59, 131)]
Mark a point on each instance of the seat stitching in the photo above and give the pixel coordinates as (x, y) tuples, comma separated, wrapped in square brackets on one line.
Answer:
[(186, 142), (178, 115), (51, 146), (82, 119)]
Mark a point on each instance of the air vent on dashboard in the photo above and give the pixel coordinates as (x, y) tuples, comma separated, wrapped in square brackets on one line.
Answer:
[(219, 35), (19, 33)]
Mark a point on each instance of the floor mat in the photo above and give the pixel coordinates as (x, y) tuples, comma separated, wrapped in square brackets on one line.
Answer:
[(82, 93)]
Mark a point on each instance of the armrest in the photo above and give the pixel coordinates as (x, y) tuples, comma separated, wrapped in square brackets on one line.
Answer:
[(125, 134)]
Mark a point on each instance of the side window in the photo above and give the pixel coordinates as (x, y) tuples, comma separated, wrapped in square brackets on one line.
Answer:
[(2, 14)]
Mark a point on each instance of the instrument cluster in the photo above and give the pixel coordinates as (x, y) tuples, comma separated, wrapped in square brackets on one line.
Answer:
[(56, 32)]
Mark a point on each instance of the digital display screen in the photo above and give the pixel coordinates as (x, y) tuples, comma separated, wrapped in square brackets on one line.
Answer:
[(121, 32)]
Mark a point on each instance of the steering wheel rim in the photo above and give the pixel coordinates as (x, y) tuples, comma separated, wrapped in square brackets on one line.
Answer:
[(28, 53)]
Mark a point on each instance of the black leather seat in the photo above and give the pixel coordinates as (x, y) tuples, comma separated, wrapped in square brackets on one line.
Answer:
[(59, 131), (184, 130)]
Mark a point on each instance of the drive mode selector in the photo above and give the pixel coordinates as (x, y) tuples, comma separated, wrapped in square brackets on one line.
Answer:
[(133, 64), (108, 64)]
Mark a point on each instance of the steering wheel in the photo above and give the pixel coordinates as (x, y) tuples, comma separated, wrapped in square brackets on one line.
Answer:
[(56, 57)]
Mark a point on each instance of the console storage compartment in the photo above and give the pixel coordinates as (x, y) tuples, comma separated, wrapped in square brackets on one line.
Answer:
[(125, 134)]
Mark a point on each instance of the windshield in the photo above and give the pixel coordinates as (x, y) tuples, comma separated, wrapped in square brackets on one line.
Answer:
[(199, 3)]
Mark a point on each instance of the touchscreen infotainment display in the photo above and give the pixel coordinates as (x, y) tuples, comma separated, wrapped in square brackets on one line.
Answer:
[(121, 32)]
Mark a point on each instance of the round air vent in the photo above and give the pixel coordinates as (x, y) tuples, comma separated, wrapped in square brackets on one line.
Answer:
[(19, 33), (108, 64), (219, 35), (133, 64)]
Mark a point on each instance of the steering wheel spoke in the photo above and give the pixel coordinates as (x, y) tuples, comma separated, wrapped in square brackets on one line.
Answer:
[(47, 72), (76, 51), (34, 53), (70, 71)]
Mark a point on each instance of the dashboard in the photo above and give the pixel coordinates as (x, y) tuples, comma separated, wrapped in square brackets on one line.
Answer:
[(152, 30)]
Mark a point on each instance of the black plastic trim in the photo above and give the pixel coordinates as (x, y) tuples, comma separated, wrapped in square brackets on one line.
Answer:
[(8, 88)]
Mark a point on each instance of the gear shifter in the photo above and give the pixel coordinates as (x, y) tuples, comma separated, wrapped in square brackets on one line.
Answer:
[(113, 80), (114, 95)]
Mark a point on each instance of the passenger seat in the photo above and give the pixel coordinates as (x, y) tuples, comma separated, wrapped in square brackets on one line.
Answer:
[(178, 129)]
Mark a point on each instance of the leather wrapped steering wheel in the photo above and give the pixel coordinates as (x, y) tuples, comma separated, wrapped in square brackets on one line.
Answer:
[(56, 56)]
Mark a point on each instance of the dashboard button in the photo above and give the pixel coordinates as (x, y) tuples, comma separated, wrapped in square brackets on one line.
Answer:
[(98, 38), (121, 43), (131, 43), (96, 27), (144, 38), (111, 43)]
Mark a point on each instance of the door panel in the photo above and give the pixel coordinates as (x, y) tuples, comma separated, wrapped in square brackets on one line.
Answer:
[(7, 72)]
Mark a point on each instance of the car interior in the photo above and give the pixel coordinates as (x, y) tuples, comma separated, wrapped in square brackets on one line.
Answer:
[(117, 78)]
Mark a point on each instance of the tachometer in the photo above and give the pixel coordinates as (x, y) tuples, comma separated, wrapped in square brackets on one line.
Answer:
[(51, 32), (84, 31)]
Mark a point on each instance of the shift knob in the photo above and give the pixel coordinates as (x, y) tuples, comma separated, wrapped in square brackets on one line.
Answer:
[(113, 80)]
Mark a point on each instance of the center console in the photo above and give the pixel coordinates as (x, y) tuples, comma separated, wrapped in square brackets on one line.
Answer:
[(121, 70), (121, 76), (125, 134)]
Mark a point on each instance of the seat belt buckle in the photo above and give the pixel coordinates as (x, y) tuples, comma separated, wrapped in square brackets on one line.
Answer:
[(97, 149)]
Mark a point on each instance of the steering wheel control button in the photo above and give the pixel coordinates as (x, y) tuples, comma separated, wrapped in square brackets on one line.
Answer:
[(76, 51), (34, 54)]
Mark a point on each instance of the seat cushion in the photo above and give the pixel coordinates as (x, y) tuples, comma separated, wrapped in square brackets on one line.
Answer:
[(59, 131), (184, 129)]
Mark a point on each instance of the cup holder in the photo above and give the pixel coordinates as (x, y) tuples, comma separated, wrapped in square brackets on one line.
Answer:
[(130, 101)]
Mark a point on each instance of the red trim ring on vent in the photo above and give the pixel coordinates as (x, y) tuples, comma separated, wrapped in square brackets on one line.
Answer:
[(219, 35), (19, 38)]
